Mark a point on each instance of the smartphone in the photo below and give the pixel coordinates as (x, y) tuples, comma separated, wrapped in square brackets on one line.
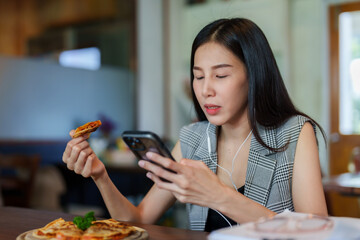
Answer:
[(141, 142)]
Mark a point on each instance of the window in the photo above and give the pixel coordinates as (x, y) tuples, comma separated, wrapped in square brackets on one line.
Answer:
[(86, 58), (349, 55)]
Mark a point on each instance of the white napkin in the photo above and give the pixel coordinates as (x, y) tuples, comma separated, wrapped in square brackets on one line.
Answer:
[(342, 228)]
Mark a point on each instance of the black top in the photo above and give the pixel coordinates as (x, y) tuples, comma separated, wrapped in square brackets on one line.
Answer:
[(215, 221)]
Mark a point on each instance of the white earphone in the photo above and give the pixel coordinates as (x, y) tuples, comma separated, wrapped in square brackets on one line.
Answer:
[(227, 171)]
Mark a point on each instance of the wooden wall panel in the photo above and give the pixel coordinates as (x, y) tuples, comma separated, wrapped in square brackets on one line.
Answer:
[(22, 19)]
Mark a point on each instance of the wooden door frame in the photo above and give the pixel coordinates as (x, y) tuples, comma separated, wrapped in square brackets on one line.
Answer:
[(337, 167)]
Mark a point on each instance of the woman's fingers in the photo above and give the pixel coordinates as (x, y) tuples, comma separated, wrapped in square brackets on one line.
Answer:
[(192, 163), (69, 147), (71, 133), (75, 148), (157, 170), (87, 169), (190, 183), (161, 166), (170, 186), (85, 136), (81, 160), (178, 173), (71, 144), (80, 157), (163, 161)]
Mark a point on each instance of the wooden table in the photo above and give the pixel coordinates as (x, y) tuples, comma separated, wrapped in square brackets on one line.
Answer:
[(345, 184), (14, 221)]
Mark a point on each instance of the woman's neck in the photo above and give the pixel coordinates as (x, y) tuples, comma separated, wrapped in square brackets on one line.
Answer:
[(230, 132)]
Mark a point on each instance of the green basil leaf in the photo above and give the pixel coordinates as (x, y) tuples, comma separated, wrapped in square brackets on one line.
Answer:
[(84, 223)]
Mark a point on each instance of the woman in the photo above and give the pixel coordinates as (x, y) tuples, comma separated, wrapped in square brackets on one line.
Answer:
[(251, 155)]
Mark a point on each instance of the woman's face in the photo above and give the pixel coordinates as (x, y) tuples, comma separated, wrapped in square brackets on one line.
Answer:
[(220, 84)]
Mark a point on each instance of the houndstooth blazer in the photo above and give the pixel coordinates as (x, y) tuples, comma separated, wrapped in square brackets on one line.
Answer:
[(269, 174)]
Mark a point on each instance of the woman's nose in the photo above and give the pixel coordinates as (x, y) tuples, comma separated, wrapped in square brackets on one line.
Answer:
[(208, 87)]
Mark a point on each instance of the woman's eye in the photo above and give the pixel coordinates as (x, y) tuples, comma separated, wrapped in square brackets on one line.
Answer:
[(199, 78), (221, 76)]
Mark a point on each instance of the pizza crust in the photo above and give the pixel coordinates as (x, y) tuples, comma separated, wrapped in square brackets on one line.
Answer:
[(140, 234)]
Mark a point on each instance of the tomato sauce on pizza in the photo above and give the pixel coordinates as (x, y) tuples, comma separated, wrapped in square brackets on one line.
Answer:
[(87, 128)]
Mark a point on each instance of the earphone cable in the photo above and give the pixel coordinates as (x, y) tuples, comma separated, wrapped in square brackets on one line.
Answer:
[(232, 166)]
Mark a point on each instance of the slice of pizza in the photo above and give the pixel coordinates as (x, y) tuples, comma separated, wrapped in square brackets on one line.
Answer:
[(109, 229), (69, 232), (87, 128), (49, 230), (58, 229)]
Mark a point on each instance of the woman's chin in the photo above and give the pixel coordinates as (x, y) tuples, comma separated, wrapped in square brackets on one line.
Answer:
[(214, 121)]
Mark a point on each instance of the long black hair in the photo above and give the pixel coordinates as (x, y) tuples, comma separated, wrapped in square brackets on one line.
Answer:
[(269, 103)]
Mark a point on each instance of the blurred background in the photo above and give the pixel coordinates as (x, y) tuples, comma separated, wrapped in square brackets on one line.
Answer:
[(126, 62)]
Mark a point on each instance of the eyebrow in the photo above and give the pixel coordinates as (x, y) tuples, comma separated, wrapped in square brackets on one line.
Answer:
[(214, 67)]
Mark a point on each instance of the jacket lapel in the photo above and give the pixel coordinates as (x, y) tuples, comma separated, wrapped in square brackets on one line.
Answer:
[(202, 152), (261, 167)]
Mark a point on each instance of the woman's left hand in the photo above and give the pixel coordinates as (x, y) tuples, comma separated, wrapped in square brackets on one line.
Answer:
[(192, 182)]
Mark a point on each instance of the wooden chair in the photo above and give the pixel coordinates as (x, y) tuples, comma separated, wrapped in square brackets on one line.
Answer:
[(17, 177)]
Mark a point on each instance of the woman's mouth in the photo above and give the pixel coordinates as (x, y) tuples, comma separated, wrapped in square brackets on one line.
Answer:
[(212, 109)]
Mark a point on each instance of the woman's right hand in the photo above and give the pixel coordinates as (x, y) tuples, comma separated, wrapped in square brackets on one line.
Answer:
[(80, 158)]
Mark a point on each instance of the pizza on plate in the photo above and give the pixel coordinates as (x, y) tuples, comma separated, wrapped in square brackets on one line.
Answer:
[(108, 229), (87, 128)]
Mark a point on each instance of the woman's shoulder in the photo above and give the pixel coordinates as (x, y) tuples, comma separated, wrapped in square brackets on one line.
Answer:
[(291, 128), (195, 133), (287, 132), (296, 122), (193, 137), (195, 128)]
